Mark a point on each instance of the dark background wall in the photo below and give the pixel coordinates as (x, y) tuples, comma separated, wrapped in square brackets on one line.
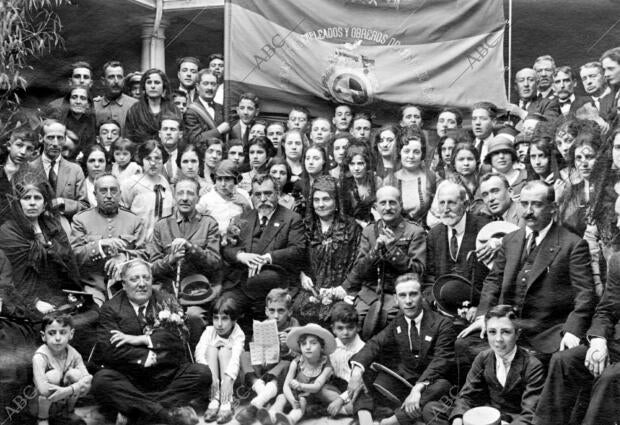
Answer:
[(101, 30)]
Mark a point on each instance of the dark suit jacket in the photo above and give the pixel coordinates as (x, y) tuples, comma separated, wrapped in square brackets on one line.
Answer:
[(608, 109), (118, 314), (198, 130), (517, 399), (605, 322), (438, 260), (6, 192), (283, 238), (204, 255), (235, 133), (549, 107), (433, 359), (406, 254), (68, 184), (557, 295), (576, 104)]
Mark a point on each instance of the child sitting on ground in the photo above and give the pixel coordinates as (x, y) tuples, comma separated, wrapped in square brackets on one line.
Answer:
[(267, 380), (60, 375), (220, 348), (344, 320), (308, 374)]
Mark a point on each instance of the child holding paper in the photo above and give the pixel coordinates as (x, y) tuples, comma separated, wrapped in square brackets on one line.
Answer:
[(220, 348), (267, 380)]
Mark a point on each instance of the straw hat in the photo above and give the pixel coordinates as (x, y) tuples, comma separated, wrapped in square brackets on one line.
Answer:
[(312, 329)]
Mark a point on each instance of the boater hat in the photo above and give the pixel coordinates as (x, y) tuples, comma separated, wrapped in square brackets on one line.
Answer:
[(482, 415), (494, 229), (312, 329)]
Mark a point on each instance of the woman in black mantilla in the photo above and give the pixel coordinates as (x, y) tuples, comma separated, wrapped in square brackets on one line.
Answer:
[(333, 239)]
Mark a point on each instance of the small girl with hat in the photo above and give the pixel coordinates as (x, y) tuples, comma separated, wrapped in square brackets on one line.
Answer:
[(308, 374)]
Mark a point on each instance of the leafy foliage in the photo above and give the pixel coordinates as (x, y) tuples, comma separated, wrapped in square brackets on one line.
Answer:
[(28, 28)]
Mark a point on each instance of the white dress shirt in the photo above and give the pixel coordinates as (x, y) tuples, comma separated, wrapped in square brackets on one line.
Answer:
[(209, 109), (502, 365), (47, 164), (417, 321), (541, 234), (460, 232)]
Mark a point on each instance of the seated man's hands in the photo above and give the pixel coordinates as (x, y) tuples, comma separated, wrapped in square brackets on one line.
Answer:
[(356, 381), (411, 405), (178, 250), (254, 262), (477, 325), (488, 250), (569, 341), (119, 339), (223, 128), (111, 246), (58, 393), (386, 237), (597, 356)]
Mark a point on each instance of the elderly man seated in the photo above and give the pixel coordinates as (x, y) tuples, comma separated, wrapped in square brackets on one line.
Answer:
[(143, 341)]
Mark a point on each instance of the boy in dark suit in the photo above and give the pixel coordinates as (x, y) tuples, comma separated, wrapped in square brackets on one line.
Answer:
[(505, 376)]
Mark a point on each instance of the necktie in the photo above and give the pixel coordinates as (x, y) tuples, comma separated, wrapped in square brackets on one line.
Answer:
[(169, 170), (52, 177), (414, 337), (263, 222), (159, 200), (597, 102), (454, 246), (531, 244), (246, 134), (142, 316)]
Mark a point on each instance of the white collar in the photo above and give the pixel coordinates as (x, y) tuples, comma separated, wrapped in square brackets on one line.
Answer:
[(47, 160), (357, 341), (508, 357), (459, 227), (541, 234), (416, 320), (136, 307)]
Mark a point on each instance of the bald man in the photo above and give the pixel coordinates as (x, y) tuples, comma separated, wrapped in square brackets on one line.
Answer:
[(392, 246), (526, 84)]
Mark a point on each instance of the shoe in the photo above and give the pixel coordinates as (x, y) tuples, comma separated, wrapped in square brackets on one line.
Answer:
[(247, 416), (282, 419), (211, 414), (264, 417), (184, 415), (224, 416)]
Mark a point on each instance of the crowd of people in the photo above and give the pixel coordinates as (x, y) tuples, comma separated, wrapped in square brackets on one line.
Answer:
[(142, 236)]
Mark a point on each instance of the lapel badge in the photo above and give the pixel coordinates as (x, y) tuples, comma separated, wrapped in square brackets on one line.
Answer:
[(428, 338), (398, 330), (276, 224)]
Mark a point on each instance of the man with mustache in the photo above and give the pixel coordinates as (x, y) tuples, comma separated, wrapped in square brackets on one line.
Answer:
[(526, 84), (270, 251), (64, 177), (392, 244), (451, 245), (545, 67), (204, 119), (114, 104), (104, 237), (186, 237), (564, 88), (544, 271)]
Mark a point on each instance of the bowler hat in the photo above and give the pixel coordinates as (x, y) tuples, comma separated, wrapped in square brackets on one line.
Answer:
[(292, 340), (226, 168), (451, 291), (195, 290), (500, 143)]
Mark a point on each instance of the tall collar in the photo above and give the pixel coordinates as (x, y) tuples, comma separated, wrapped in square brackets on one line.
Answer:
[(460, 226), (180, 217)]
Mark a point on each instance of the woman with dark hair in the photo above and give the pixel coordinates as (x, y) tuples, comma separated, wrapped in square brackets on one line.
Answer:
[(292, 149), (332, 238), (258, 152), (190, 162), (95, 161), (542, 161), (214, 151), (149, 195), (316, 163), (386, 150), (358, 185), (281, 172), (144, 117), (445, 147), (337, 151), (416, 183), (76, 113)]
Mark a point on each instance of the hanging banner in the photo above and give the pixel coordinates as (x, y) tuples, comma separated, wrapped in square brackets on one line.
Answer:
[(372, 54)]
